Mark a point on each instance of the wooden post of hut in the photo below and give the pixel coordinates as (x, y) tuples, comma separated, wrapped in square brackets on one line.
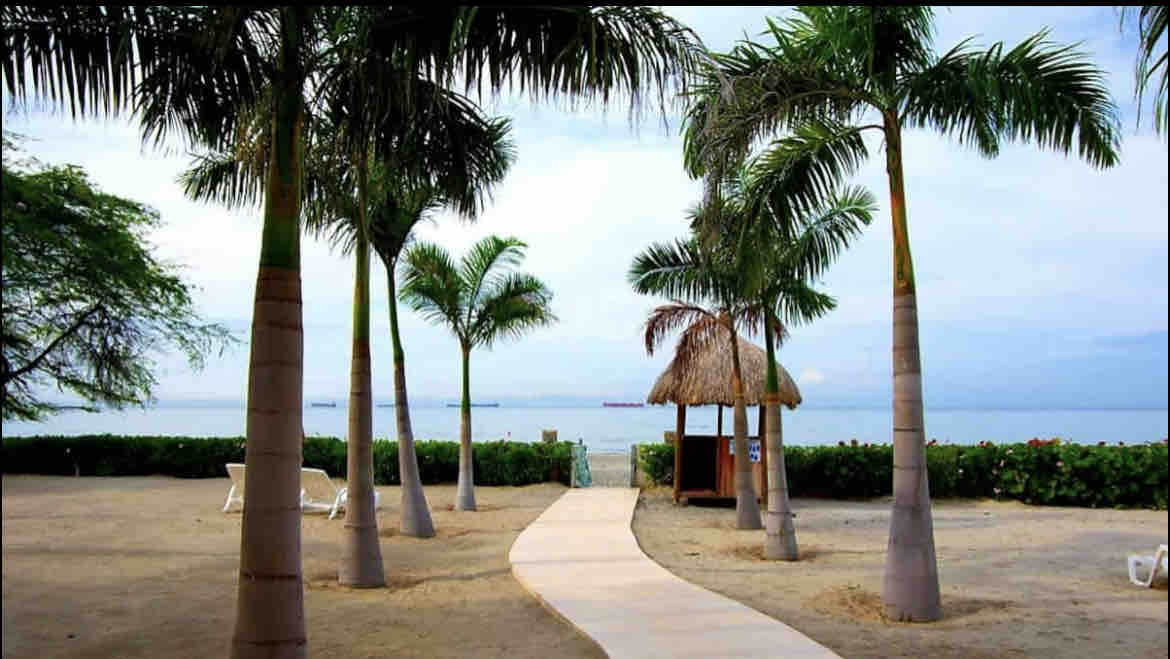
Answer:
[(680, 429)]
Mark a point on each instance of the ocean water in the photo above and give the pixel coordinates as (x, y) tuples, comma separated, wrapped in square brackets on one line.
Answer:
[(615, 429)]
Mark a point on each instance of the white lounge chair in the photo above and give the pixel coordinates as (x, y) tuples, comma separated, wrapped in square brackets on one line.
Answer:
[(1154, 563), (318, 493), (236, 493)]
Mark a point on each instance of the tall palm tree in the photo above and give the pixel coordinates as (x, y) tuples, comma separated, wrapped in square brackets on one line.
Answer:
[(784, 253), (397, 209), (195, 69), (696, 277), (832, 74), (482, 299)]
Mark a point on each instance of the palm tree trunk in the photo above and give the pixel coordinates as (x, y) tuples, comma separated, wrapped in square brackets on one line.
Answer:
[(416, 515), (910, 589), (747, 509), (465, 491), (361, 554), (780, 533), (270, 606)]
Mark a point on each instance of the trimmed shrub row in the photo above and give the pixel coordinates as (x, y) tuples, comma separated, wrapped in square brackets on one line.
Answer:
[(496, 463), (1038, 472)]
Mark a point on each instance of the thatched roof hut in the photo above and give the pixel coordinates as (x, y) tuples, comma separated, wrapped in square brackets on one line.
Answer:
[(708, 380)]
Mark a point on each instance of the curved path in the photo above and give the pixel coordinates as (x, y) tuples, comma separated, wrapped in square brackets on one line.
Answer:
[(581, 559)]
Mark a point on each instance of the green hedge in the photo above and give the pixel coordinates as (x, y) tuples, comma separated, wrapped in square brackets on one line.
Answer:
[(1039, 472), (496, 463)]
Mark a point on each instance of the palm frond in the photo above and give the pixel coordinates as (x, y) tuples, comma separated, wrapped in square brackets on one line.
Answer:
[(797, 172), (668, 318), (1151, 33), (670, 270), (179, 69), (514, 305), (223, 179), (795, 302), (1036, 92), (487, 264), (431, 285), (399, 209), (825, 233), (756, 90)]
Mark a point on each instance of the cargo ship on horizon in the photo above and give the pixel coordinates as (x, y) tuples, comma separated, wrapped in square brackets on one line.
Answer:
[(609, 404)]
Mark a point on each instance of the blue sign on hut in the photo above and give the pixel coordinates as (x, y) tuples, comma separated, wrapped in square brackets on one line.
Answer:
[(704, 465)]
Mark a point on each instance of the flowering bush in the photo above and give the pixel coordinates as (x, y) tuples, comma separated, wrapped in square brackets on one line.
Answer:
[(1040, 472)]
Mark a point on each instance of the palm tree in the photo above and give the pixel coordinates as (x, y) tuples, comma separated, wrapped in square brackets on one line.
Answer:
[(445, 151), (443, 123), (195, 70), (397, 210), (835, 73), (785, 253), (1151, 33), (761, 284), (694, 276), (481, 300)]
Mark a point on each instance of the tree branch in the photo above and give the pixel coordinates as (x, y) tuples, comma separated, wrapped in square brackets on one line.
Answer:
[(8, 377)]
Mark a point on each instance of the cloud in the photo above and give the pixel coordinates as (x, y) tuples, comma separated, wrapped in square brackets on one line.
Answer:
[(811, 376), (1029, 265)]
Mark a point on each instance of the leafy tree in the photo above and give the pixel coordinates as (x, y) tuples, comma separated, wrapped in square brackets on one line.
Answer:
[(832, 74), (482, 299), (85, 303), (197, 71)]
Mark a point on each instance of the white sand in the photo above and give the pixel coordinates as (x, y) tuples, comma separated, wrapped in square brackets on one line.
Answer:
[(1017, 580), (146, 567)]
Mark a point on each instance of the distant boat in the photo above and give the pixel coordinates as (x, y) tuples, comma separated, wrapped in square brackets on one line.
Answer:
[(322, 404), (475, 404), (623, 404), (385, 404)]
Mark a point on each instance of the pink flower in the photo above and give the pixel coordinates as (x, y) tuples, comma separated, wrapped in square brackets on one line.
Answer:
[(1060, 464), (997, 490)]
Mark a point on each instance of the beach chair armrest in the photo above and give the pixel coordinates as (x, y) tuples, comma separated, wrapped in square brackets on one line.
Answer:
[(338, 502)]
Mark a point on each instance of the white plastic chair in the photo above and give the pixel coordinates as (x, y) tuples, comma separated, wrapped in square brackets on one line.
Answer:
[(318, 493), (1154, 563), (236, 493)]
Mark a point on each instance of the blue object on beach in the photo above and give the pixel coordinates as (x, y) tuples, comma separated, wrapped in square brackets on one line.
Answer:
[(581, 475)]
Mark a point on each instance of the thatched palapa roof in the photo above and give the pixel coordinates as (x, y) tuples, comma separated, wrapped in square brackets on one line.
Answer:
[(708, 380)]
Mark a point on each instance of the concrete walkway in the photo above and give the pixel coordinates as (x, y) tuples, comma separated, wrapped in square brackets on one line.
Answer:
[(581, 559)]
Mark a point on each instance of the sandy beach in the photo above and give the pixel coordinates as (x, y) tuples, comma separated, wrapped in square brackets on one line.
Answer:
[(128, 567), (1017, 580), (146, 567)]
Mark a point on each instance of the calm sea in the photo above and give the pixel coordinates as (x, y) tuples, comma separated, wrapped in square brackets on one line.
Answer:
[(614, 429)]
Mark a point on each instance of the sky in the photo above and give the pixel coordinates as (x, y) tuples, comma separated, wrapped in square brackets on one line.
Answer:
[(1042, 282)]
